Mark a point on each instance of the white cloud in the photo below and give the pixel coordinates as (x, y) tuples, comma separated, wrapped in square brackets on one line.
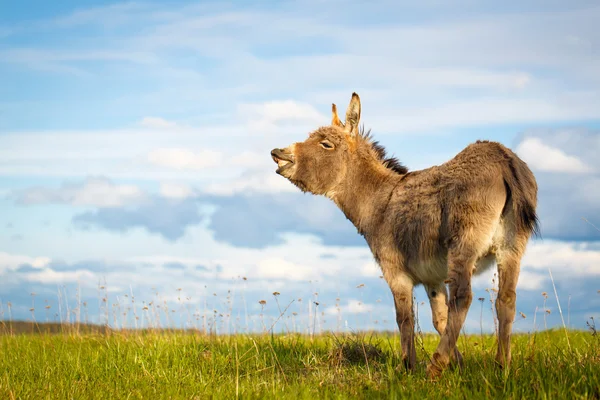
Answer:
[(546, 158), (563, 258), (10, 262), (48, 275), (371, 269), (157, 122), (113, 14), (94, 191), (102, 193), (353, 306), (566, 164), (290, 268), (529, 280), (415, 65), (252, 182), (249, 159), (159, 259), (419, 88), (285, 110), (296, 269), (566, 260), (489, 110), (279, 268), (176, 191), (185, 159), (178, 158), (297, 259), (266, 117), (161, 154)]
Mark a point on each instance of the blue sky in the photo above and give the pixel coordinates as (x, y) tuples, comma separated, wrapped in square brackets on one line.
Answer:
[(135, 139)]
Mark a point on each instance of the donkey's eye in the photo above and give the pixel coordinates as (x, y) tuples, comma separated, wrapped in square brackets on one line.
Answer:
[(326, 145)]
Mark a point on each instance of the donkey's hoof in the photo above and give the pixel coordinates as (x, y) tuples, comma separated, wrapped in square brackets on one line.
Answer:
[(437, 365), (433, 371)]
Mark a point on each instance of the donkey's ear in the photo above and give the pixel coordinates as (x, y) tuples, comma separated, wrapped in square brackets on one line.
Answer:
[(353, 116), (335, 120)]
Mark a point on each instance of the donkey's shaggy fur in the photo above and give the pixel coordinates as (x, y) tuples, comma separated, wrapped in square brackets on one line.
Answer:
[(435, 226)]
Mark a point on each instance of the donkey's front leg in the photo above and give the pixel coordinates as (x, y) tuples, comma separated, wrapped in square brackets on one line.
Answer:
[(402, 290)]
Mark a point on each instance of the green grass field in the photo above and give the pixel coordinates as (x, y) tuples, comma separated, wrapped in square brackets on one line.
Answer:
[(191, 366)]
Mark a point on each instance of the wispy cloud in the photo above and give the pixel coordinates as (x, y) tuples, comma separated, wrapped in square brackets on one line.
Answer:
[(470, 69), (94, 191), (567, 170), (157, 122), (547, 158), (13, 261), (185, 159)]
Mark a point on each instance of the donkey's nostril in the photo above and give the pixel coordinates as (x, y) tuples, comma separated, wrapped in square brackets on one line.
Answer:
[(274, 154), (282, 156)]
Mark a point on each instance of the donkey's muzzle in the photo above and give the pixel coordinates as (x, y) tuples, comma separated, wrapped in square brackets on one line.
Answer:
[(283, 159)]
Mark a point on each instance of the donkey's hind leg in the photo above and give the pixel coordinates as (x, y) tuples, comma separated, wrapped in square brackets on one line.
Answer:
[(509, 261), (438, 299), (461, 262)]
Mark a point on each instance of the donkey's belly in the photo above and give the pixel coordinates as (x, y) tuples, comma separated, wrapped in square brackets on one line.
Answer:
[(435, 271), (431, 272)]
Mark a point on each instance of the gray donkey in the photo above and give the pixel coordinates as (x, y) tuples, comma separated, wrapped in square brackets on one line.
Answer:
[(435, 226)]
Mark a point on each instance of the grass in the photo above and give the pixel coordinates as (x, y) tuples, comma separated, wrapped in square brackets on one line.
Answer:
[(176, 364)]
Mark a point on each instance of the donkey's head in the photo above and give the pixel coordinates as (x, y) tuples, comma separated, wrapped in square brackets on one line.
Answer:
[(321, 163)]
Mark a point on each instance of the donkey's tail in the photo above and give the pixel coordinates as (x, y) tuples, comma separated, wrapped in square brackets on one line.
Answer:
[(522, 193)]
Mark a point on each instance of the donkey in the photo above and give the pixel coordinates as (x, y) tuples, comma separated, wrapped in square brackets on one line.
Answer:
[(436, 226)]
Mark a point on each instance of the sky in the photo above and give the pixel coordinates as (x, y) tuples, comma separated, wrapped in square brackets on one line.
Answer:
[(137, 187)]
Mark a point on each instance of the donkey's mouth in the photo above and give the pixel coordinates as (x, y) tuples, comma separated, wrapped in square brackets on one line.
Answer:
[(283, 160)]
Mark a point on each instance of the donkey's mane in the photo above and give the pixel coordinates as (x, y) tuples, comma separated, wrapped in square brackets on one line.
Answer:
[(389, 162)]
